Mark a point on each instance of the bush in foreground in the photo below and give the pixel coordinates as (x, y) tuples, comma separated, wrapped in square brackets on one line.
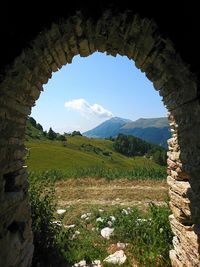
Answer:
[(150, 235), (45, 231)]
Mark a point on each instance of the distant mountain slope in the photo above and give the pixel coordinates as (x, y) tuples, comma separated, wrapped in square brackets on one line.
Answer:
[(153, 130), (150, 134), (108, 128), (79, 156), (145, 123)]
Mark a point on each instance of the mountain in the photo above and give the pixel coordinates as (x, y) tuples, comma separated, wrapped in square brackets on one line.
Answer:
[(108, 128), (145, 123), (153, 130), (92, 157)]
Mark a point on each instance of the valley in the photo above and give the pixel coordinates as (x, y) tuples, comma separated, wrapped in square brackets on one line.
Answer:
[(153, 130), (82, 187)]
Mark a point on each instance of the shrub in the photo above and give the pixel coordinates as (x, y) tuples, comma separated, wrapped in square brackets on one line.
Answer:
[(42, 202), (74, 133), (32, 121), (88, 245), (149, 234), (61, 137), (39, 127), (51, 134), (64, 143)]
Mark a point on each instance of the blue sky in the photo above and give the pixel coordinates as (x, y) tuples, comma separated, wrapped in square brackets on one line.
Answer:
[(93, 89)]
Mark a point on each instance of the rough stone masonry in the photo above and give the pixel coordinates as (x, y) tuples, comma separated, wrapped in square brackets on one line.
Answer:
[(138, 39)]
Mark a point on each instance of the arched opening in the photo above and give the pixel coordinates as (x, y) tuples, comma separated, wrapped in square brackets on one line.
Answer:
[(93, 182), (139, 40)]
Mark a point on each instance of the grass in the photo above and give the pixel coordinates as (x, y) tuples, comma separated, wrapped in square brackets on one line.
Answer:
[(147, 235), (85, 157), (145, 230), (121, 192), (120, 184)]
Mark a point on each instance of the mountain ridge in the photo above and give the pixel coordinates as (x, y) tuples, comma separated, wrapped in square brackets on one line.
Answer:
[(148, 122), (153, 130)]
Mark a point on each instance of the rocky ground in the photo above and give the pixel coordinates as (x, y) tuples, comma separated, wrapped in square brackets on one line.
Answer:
[(80, 200)]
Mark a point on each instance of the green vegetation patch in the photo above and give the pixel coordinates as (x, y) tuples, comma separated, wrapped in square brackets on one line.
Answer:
[(146, 235), (77, 156), (84, 157)]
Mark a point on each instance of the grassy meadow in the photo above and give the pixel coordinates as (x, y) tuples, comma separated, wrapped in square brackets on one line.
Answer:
[(80, 156), (96, 187), (140, 221)]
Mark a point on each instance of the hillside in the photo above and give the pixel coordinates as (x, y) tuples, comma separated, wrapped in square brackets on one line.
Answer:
[(146, 123), (83, 155), (34, 130), (153, 135), (154, 130), (108, 128), (123, 182), (80, 156)]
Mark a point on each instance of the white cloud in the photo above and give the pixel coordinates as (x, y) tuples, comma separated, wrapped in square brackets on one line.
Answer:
[(87, 110)]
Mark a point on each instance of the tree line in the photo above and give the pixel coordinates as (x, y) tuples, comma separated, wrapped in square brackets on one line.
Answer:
[(130, 146), (51, 134)]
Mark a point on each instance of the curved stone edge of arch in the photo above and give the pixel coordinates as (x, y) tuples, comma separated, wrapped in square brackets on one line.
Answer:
[(124, 34)]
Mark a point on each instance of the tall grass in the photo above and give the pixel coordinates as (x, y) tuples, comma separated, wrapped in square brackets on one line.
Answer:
[(99, 172), (150, 235)]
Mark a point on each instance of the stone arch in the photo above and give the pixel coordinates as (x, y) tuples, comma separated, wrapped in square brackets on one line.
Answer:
[(138, 39)]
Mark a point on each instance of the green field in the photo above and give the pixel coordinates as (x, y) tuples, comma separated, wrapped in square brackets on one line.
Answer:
[(82, 156), (135, 210), (129, 189)]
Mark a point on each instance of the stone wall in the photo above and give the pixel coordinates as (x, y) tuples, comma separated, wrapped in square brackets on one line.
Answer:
[(138, 39)]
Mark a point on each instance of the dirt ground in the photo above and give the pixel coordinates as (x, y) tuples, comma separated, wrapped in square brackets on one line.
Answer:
[(116, 192)]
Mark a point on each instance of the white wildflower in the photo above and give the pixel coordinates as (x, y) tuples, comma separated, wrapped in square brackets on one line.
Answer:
[(99, 219), (112, 218), (83, 216), (124, 211), (57, 223)]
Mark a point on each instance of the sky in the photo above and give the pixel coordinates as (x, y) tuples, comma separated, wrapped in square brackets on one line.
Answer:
[(90, 90)]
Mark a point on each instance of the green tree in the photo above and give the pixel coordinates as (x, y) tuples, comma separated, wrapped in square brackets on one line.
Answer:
[(61, 137), (76, 133), (129, 145), (51, 134), (160, 157), (132, 146), (32, 121), (39, 127)]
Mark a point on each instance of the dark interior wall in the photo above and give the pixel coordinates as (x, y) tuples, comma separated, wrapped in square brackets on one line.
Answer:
[(21, 22)]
